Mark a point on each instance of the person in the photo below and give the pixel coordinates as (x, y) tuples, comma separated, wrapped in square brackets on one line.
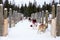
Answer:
[(34, 21)]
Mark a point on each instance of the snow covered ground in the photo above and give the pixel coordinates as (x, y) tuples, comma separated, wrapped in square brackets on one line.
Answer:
[(23, 31)]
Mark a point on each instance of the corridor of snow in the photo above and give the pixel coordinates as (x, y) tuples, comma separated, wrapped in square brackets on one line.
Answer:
[(23, 31)]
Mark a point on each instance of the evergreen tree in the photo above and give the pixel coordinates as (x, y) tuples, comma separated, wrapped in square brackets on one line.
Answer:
[(34, 6), (25, 10), (1, 1), (53, 2), (49, 7), (30, 9), (44, 6), (38, 8), (13, 6), (18, 8), (6, 5), (10, 5), (22, 9)]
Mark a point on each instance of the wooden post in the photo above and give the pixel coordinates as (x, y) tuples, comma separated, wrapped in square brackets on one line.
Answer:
[(53, 27), (10, 17), (58, 20), (46, 16), (53, 11), (5, 22), (1, 20), (14, 17), (56, 23), (42, 17)]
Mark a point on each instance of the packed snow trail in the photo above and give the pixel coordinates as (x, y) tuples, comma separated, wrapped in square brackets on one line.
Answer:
[(23, 31)]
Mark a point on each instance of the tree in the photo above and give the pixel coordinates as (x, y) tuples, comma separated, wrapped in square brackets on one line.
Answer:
[(38, 8), (22, 9), (18, 10), (1, 1), (53, 2), (25, 10), (10, 5), (30, 9), (44, 6), (6, 5), (34, 6), (49, 7)]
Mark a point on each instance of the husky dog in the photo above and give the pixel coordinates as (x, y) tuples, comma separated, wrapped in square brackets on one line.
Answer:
[(42, 28)]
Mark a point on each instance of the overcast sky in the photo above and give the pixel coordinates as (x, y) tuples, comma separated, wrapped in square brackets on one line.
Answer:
[(39, 2)]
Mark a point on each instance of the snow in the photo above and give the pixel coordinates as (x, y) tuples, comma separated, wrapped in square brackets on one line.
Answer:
[(1, 4), (5, 8), (23, 31), (58, 4)]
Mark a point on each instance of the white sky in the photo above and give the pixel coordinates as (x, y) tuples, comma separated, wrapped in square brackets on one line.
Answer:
[(39, 2)]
